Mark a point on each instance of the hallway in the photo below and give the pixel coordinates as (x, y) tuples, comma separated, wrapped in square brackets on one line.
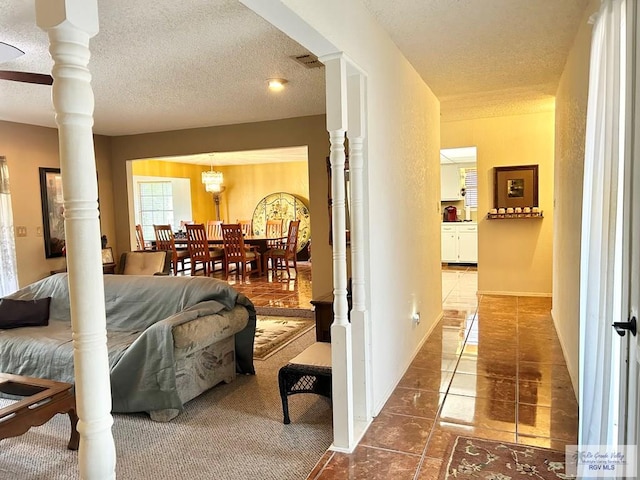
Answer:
[(492, 368)]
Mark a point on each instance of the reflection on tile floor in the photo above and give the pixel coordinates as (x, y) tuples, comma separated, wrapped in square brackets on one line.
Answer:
[(272, 290), (492, 368)]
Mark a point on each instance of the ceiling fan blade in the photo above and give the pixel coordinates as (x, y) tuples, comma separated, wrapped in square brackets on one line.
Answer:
[(26, 77), (9, 52)]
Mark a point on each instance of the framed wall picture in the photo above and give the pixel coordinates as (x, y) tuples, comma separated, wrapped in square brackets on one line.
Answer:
[(515, 186), (107, 256), (52, 212)]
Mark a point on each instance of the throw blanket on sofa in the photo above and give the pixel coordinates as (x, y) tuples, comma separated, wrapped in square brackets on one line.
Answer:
[(141, 312)]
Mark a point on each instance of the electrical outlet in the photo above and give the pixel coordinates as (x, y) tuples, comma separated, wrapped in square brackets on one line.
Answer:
[(416, 318), (21, 231)]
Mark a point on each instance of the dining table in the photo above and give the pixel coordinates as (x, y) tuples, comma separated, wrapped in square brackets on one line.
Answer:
[(262, 242)]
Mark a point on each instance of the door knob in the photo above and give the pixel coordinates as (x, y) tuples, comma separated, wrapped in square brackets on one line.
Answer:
[(622, 327)]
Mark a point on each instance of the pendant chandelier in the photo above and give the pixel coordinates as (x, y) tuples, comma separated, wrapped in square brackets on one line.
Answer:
[(212, 179)]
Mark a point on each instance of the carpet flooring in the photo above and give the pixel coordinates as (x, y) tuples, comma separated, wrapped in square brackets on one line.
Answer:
[(231, 432), (474, 458), (274, 333)]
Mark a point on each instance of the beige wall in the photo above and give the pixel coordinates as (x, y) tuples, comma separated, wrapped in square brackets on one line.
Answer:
[(514, 256), (27, 148), (571, 111), (402, 186), (310, 131)]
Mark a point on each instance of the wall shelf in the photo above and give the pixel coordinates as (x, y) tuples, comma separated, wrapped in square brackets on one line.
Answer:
[(512, 216)]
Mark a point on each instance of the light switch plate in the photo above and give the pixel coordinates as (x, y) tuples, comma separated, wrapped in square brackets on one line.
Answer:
[(21, 231)]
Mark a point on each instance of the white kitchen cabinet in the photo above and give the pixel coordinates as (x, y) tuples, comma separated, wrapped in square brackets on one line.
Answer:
[(467, 243), (450, 183), (459, 242), (449, 240)]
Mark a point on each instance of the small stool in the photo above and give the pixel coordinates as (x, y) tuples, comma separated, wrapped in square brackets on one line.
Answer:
[(308, 372)]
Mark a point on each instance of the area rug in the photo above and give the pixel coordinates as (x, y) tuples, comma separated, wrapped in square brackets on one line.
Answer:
[(490, 460), (274, 333), (285, 312)]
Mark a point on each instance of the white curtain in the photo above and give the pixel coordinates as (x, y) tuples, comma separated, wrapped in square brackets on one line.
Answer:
[(8, 268), (601, 295)]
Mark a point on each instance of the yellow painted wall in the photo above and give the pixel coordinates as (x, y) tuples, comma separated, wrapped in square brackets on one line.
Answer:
[(514, 256), (571, 113), (27, 148), (202, 206), (246, 185)]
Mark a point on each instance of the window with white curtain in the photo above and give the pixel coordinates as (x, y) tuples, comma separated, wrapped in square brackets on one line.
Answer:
[(471, 187), (9, 270)]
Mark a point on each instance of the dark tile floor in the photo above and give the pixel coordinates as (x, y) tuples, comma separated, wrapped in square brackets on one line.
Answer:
[(272, 290), (492, 368)]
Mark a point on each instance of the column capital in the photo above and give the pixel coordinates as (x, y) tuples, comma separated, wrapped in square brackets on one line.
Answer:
[(79, 14)]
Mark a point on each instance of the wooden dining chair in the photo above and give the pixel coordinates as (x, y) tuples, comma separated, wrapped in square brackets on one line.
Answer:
[(140, 243), (235, 251), (273, 230), (245, 225), (165, 240), (199, 250), (278, 258), (214, 229)]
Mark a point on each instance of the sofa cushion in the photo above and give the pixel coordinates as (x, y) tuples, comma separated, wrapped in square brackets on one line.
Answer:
[(24, 313), (144, 263)]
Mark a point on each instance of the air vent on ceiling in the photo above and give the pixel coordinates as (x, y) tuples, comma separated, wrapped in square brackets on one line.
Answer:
[(308, 60)]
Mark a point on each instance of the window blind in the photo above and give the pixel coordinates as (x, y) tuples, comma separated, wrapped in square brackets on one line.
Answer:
[(471, 187)]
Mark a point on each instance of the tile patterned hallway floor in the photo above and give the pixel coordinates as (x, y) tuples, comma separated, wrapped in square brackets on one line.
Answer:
[(492, 368)]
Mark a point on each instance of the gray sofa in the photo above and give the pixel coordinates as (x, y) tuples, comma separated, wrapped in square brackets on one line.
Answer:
[(169, 339)]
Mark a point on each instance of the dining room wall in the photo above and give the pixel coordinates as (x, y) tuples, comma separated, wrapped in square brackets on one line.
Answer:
[(202, 206), (515, 255), (246, 185), (28, 147)]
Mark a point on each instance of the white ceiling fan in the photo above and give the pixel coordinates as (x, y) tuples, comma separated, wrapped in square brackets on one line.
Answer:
[(9, 52)]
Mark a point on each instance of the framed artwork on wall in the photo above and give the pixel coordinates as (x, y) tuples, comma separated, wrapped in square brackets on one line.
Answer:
[(52, 212), (515, 186), (107, 256)]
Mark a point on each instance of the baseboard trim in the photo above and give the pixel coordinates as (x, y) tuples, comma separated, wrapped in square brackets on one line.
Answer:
[(515, 294), (378, 407), (573, 373)]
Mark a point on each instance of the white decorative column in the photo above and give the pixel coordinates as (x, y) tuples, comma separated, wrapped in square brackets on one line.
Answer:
[(341, 359), (362, 381), (70, 24)]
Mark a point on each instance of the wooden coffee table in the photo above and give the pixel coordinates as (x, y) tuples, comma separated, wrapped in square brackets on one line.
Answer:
[(42, 400)]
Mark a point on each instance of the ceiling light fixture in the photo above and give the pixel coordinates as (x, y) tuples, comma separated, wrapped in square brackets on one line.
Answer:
[(212, 179), (276, 84)]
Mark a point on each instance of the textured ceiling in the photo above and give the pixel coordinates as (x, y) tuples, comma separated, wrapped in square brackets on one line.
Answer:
[(484, 57), (164, 65)]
